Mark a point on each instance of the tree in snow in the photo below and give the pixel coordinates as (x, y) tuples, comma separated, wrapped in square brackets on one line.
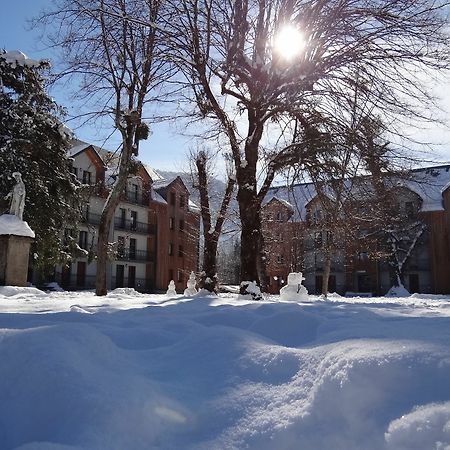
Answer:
[(201, 172), (34, 142), (277, 76), (119, 63)]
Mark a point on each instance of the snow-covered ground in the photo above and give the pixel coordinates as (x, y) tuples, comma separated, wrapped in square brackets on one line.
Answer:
[(131, 371)]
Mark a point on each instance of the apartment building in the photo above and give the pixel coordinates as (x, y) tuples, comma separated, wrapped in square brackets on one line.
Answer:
[(298, 238), (143, 226)]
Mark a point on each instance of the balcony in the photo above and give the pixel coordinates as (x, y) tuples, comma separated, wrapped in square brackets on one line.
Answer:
[(137, 227), (127, 254), (137, 198), (92, 219)]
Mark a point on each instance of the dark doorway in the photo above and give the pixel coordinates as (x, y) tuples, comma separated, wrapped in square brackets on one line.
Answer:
[(414, 283), (364, 284), (81, 273), (65, 276), (131, 276), (319, 280), (119, 275)]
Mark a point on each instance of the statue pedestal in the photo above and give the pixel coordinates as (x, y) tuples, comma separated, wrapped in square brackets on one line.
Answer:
[(15, 240)]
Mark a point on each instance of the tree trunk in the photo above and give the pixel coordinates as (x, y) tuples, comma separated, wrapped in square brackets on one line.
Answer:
[(326, 274), (250, 237), (108, 214), (208, 279)]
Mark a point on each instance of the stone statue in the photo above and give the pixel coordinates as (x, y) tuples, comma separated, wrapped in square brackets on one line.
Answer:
[(17, 196)]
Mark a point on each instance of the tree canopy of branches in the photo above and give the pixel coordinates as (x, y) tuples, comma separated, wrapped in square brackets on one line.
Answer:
[(271, 108), (34, 142), (118, 63)]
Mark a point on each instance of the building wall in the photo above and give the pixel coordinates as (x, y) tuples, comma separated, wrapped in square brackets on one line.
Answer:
[(427, 270), (140, 233)]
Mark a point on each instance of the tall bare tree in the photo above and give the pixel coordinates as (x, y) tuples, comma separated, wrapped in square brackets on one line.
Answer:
[(211, 229), (271, 99), (118, 64)]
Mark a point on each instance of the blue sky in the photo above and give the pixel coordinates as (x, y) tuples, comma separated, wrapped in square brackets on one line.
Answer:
[(165, 149)]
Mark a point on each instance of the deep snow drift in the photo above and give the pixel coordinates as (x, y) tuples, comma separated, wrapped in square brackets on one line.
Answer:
[(131, 371)]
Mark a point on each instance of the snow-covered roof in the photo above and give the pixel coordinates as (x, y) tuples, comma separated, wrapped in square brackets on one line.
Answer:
[(153, 174), (429, 183), (281, 200), (193, 206), (157, 197), (162, 183)]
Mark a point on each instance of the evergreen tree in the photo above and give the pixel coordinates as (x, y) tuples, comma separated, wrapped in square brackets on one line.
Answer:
[(34, 142)]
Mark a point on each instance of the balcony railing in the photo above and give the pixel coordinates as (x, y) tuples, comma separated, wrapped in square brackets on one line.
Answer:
[(137, 227), (126, 254), (137, 198), (92, 219)]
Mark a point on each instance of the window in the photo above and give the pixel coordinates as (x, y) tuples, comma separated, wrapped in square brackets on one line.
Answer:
[(171, 274), (82, 240), (173, 198), (280, 259), (181, 225), (329, 237), (123, 213), (179, 276), (318, 239), (171, 223), (170, 249), (132, 248), (363, 256), (133, 220), (279, 217), (134, 192), (180, 251), (182, 201), (86, 177)]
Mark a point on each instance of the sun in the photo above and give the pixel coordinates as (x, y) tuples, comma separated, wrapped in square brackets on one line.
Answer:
[(288, 42)]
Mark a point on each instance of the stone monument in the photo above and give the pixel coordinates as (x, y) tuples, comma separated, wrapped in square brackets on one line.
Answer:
[(191, 289), (171, 291), (294, 291), (15, 239)]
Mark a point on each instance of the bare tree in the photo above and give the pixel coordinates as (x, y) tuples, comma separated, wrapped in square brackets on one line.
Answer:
[(211, 231), (118, 64), (272, 104)]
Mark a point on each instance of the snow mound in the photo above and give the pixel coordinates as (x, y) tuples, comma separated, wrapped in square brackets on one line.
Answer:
[(223, 374), (11, 291), (397, 291), (120, 292), (426, 427), (11, 224)]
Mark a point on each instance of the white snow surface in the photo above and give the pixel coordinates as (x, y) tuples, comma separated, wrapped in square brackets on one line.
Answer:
[(134, 371), (11, 224)]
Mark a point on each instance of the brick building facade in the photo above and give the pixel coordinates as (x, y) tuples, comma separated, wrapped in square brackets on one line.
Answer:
[(155, 231), (296, 239)]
